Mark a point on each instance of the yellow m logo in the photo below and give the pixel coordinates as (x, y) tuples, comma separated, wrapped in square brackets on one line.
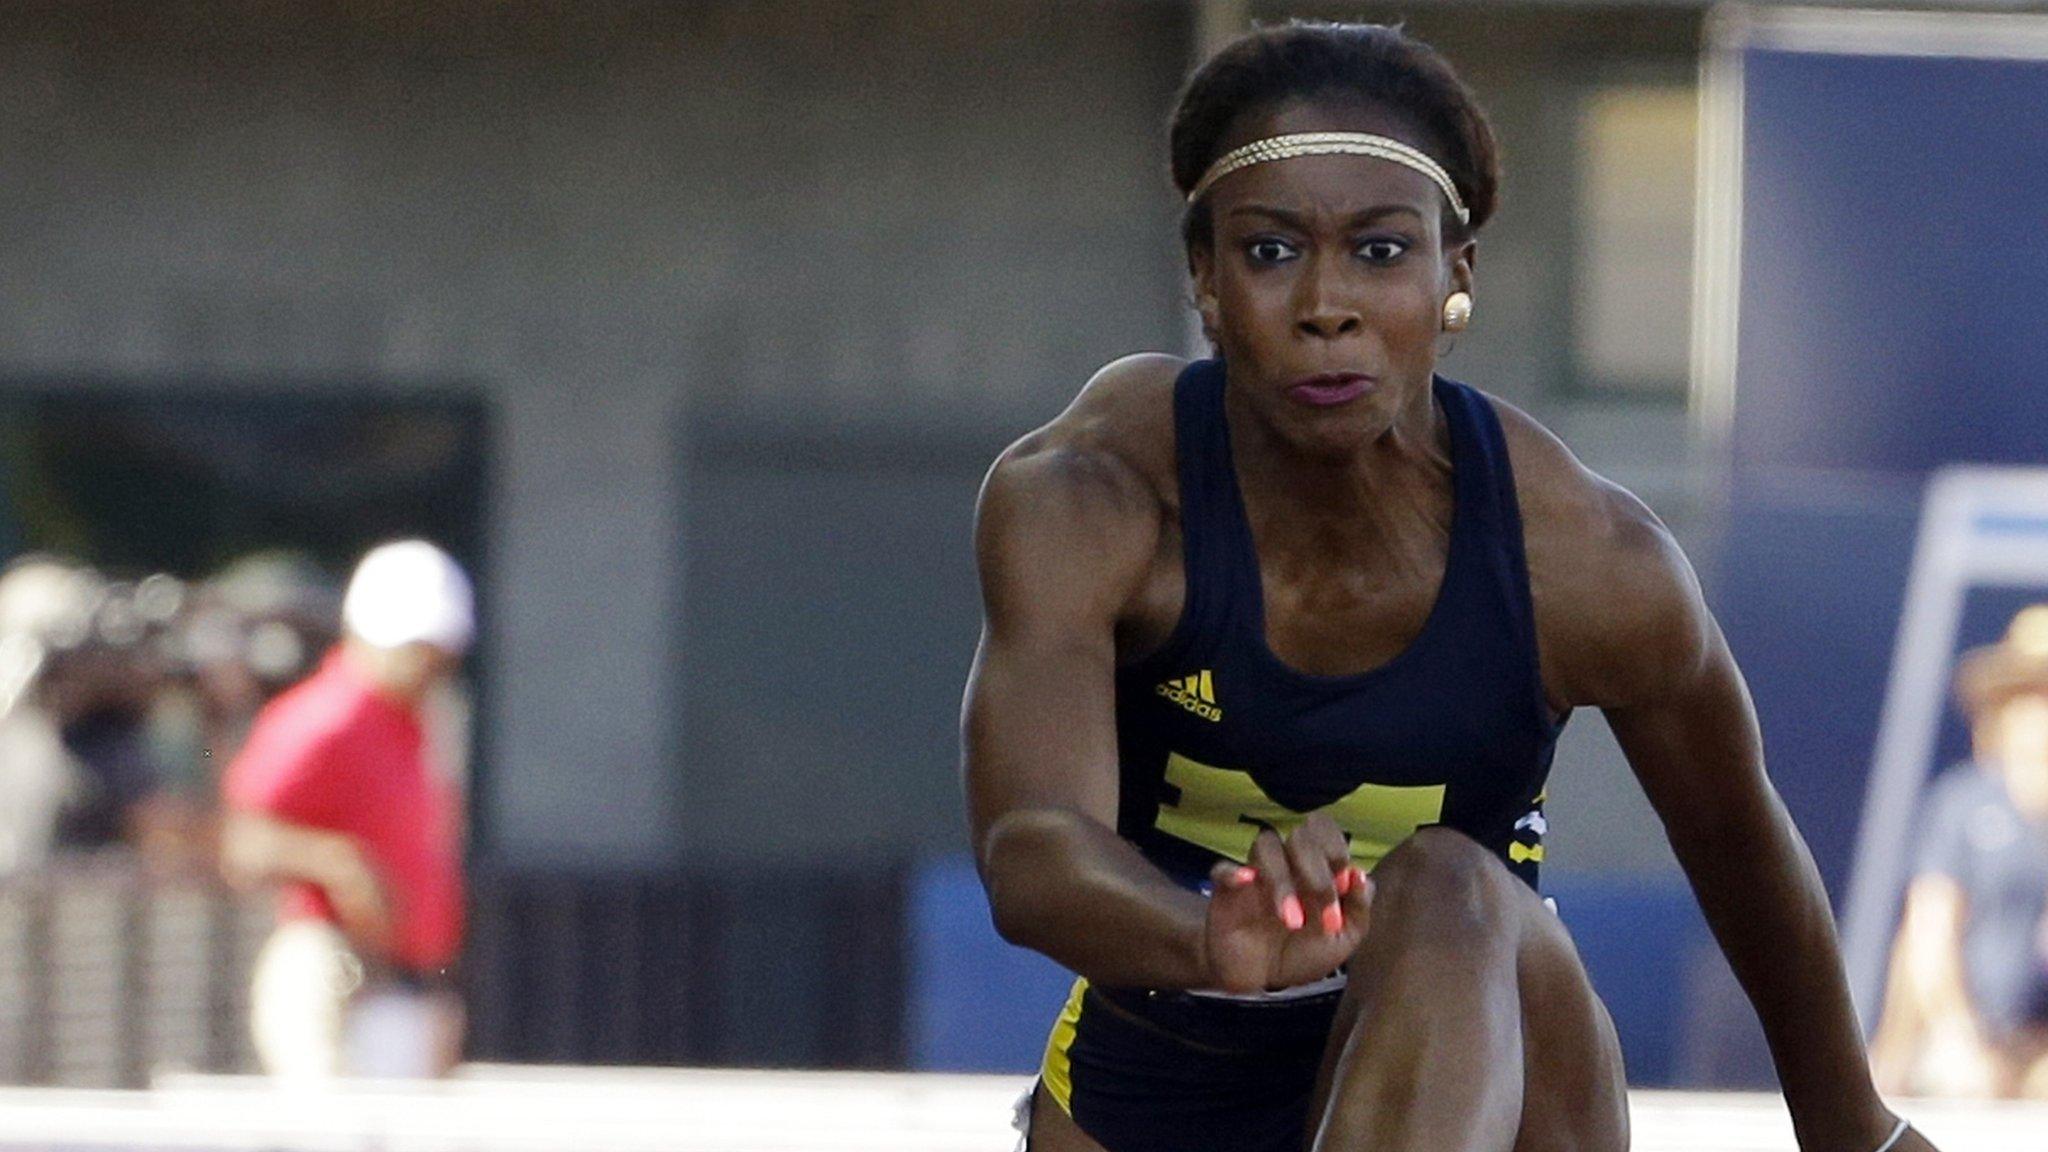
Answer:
[(1222, 809)]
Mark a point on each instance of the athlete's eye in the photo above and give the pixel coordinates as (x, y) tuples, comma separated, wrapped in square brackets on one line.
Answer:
[(1269, 250), (1383, 250)]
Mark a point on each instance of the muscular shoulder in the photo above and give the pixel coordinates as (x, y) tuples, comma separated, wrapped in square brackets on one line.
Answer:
[(1075, 508), (1124, 413), (1618, 609)]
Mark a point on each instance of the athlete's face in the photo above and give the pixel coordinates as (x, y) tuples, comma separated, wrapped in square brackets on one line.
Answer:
[(1324, 284)]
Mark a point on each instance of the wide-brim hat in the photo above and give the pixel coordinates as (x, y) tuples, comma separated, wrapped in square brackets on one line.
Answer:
[(1992, 674)]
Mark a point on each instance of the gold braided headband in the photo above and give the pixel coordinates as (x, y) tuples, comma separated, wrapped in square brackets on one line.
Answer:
[(1331, 144)]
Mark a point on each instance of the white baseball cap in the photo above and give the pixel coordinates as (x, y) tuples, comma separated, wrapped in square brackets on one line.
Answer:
[(410, 592)]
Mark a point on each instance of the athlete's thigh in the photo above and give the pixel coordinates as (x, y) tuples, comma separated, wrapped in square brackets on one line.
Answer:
[(1575, 1092), (1052, 1130)]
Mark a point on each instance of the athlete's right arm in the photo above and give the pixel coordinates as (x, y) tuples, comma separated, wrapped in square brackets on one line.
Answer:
[(1064, 538)]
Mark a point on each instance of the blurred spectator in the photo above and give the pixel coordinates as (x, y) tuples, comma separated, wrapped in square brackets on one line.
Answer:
[(102, 693), (247, 633), (81, 662), (1966, 1009), (256, 628), (45, 606), (333, 797)]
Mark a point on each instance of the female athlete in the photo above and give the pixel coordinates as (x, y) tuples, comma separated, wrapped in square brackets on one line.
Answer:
[(1277, 647)]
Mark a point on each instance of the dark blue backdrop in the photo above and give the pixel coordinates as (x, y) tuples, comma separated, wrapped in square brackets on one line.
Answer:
[(1894, 263), (1894, 305)]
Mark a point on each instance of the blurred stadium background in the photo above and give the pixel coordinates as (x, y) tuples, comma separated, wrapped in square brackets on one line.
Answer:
[(690, 330)]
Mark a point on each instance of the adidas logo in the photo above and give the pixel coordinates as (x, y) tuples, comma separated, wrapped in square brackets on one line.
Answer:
[(1195, 693)]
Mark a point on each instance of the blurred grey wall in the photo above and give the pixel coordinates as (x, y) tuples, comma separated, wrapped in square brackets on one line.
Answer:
[(616, 221), (754, 290)]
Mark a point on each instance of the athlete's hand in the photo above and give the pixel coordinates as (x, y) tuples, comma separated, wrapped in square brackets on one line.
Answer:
[(1292, 913)]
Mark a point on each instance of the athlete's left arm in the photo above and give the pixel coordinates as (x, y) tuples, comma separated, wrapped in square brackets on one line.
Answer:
[(1655, 662)]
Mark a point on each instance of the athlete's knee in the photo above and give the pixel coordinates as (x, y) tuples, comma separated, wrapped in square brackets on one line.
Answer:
[(1435, 859), (1442, 880), (1548, 946)]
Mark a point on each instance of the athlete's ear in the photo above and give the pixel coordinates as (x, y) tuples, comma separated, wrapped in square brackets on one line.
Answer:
[(1459, 260), (1202, 271)]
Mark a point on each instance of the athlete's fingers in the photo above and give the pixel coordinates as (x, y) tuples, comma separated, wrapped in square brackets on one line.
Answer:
[(1269, 857), (1315, 853), (1320, 834), (1357, 901), (1229, 876), (1349, 879)]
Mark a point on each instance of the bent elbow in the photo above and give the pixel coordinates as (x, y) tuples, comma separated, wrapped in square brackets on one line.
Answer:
[(1017, 858), (1011, 925)]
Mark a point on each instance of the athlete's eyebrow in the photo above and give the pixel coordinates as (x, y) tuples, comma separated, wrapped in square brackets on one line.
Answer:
[(1300, 220)]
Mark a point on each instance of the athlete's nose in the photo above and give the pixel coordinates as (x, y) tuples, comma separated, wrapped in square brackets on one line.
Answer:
[(1324, 306)]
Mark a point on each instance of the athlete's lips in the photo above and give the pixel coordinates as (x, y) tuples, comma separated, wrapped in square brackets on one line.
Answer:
[(1331, 388)]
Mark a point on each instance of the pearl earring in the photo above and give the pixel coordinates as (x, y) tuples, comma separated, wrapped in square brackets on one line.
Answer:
[(1457, 311)]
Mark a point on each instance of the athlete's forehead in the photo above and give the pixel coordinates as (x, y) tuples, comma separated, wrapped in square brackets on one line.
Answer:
[(1344, 188)]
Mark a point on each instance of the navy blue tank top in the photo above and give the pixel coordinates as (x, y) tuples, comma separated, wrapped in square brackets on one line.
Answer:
[(1218, 738)]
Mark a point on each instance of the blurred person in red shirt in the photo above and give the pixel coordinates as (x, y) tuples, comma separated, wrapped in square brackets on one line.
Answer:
[(334, 798), (1966, 1010)]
